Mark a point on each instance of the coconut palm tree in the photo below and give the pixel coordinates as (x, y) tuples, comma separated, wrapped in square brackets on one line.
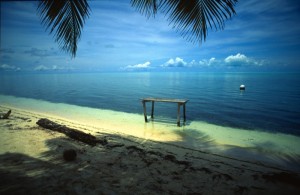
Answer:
[(191, 18)]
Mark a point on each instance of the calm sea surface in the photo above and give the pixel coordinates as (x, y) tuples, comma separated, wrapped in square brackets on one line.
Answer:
[(271, 101)]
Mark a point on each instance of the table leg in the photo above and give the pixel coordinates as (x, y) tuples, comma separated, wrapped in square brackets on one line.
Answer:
[(145, 111), (184, 115), (152, 110), (178, 115)]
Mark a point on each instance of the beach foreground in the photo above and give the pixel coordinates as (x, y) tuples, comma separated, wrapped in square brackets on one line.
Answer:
[(32, 162)]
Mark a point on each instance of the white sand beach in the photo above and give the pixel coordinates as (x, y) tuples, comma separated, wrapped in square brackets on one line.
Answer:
[(140, 158)]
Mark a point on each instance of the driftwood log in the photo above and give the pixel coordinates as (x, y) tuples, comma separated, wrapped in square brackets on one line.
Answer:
[(6, 115), (70, 132)]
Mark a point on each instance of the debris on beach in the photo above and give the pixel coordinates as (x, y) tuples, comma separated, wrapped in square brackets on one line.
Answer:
[(6, 115), (70, 132), (70, 155), (47, 163)]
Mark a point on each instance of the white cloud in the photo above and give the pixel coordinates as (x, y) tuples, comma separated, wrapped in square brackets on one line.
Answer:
[(241, 60), (193, 63), (54, 67), (178, 62), (143, 66), (211, 62), (7, 67), (236, 59), (41, 68)]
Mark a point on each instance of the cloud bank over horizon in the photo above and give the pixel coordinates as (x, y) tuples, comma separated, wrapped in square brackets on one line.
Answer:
[(237, 60), (6, 67), (229, 62), (177, 62), (137, 67), (242, 60)]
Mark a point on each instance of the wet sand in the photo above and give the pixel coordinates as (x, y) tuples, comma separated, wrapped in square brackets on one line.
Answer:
[(257, 146), (32, 162)]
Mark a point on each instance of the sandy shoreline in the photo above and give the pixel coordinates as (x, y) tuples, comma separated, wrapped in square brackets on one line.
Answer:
[(32, 162)]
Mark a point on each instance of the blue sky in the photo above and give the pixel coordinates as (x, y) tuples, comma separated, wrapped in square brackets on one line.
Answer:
[(264, 35)]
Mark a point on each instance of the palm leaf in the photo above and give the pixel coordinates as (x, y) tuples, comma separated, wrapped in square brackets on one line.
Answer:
[(146, 7), (66, 19), (190, 17)]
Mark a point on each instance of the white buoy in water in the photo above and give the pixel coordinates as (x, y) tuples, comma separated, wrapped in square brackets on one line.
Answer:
[(242, 87)]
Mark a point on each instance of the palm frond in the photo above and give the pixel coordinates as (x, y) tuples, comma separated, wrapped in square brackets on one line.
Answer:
[(146, 7), (190, 17), (66, 19)]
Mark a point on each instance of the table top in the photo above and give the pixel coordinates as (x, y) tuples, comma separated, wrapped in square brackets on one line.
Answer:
[(172, 100)]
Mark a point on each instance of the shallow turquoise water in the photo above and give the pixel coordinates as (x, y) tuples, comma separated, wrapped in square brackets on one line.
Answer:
[(271, 101), (271, 149)]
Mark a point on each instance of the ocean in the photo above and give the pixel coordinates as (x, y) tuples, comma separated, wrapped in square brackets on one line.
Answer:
[(260, 124), (270, 102)]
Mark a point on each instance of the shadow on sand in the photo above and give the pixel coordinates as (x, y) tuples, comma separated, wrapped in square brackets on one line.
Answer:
[(127, 164), (260, 153)]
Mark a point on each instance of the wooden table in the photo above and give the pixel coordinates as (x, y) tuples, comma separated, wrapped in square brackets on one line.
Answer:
[(180, 102)]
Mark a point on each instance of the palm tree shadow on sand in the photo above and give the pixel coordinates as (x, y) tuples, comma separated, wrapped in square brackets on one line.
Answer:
[(50, 173), (168, 121), (133, 165), (21, 174), (267, 153), (195, 139)]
